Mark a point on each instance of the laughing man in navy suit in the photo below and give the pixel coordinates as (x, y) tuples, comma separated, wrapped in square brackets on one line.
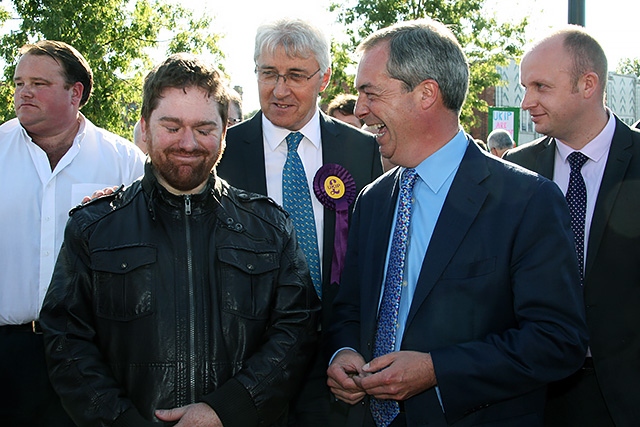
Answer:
[(490, 307)]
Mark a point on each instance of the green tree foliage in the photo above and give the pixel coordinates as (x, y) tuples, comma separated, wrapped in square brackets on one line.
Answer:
[(486, 42), (118, 39), (629, 66)]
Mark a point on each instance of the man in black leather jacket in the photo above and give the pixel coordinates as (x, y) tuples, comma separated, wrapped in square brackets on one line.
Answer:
[(180, 298)]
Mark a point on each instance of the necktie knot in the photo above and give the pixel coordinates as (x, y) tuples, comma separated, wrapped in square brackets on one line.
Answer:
[(293, 140), (576, 161), (409, 177)]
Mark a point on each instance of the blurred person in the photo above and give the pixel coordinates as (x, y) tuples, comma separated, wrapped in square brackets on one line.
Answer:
[(180, 298), (590, 153), (342, 107), (447, 313), (235, 108), (50, 156), (499, 141), (292, 67)]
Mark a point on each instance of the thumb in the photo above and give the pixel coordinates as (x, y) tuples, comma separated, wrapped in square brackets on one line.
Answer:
[(378, 364), (170, 414)]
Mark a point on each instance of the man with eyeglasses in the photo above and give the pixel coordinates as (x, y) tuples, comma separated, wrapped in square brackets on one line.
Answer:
[(292, 67)]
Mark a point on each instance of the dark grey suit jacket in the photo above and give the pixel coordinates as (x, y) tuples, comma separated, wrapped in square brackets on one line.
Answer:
[(243, 166), (612, 271)]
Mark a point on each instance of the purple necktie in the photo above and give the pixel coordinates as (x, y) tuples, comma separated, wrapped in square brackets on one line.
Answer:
[(384, 411), (577, 200)]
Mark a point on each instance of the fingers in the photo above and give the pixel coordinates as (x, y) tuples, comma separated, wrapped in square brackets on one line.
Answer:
[(99, 193)]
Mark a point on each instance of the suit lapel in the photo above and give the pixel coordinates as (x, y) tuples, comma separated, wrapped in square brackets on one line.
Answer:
[(546, 158), (330, 154), (462, 204), (614, 172), (376, 244), (253, 157)]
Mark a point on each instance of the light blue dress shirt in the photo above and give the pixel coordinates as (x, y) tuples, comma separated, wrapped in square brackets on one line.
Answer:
[(429, 193)]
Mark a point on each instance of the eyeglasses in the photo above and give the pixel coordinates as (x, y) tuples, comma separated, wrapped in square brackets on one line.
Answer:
[(290, 79)]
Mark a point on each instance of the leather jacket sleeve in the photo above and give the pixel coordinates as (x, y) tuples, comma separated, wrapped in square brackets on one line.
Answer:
[(90, 394)]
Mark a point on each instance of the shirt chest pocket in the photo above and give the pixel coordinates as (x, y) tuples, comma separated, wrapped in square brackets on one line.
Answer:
[(123, 279), (247, 281)]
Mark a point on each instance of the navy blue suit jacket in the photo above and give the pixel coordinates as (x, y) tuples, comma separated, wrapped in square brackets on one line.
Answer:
[(498, 302), (612, 270), (242, 165)]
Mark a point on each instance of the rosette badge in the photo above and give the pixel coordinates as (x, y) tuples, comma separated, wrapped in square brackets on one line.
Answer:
[(335, 188)]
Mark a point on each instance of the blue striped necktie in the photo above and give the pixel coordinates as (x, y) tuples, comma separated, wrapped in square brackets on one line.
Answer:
[(384, 411), (296, 199)]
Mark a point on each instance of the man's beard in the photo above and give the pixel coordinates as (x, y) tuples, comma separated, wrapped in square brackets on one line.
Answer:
[(184, 177)]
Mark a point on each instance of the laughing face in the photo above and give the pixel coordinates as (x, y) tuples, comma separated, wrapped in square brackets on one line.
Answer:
[(286, 107), (385, 106)]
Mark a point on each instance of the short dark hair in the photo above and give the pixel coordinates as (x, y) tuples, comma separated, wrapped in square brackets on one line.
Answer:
[(76, 68), (345, 103), (182, 71)]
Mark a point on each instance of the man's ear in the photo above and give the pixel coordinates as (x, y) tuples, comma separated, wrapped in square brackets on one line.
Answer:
[(143, 129), (428, 90), (589, 84), (76, 93)]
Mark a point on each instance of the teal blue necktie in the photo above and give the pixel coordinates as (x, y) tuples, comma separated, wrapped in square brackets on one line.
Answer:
[(384, 411), (296, 199)]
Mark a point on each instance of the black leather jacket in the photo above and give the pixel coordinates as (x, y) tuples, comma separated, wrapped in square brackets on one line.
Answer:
[(158, 301)]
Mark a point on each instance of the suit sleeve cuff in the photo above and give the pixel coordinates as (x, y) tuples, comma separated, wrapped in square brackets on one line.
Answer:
[(233, 404)]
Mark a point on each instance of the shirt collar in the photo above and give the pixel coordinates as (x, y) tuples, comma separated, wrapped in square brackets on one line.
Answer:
[(597, 147), (435, 169), (275, 135)]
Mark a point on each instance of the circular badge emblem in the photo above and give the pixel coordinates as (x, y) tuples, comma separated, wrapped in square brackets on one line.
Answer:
[(334, 187)]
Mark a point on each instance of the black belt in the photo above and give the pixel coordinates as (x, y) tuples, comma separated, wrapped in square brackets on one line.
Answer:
[(32, 327)]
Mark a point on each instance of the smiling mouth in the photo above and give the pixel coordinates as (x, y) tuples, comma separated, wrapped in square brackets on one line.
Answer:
[(377, 129)]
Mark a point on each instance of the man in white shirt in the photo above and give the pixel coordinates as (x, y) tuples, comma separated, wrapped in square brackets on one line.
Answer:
[(293, 66), (50, 157)]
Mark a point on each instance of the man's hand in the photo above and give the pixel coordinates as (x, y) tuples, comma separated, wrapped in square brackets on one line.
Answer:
[(99, 193), (194, 415), (397, 376), (345, 366)]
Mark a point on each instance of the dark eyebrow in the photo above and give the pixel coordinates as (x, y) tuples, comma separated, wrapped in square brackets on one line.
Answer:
[(179, 122)]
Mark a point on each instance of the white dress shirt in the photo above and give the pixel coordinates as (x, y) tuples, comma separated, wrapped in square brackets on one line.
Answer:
[(310, 152), (597, 150), (36, 202)]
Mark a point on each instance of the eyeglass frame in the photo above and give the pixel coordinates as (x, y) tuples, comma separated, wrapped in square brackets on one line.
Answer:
[(285, 77)]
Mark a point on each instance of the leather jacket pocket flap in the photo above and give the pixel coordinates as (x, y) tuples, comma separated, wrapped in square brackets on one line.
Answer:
[(123, 260), (248, 261)]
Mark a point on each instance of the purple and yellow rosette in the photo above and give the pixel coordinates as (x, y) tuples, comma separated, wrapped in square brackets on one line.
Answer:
[(335, 188)]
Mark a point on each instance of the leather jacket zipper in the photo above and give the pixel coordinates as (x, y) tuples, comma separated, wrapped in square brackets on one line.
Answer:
[(191, 308)]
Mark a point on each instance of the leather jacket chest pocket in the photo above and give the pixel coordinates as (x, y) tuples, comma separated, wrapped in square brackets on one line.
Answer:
[(247, 281), (123, 278)]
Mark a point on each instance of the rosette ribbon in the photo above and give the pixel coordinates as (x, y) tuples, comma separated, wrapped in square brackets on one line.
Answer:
[(335, 188)]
